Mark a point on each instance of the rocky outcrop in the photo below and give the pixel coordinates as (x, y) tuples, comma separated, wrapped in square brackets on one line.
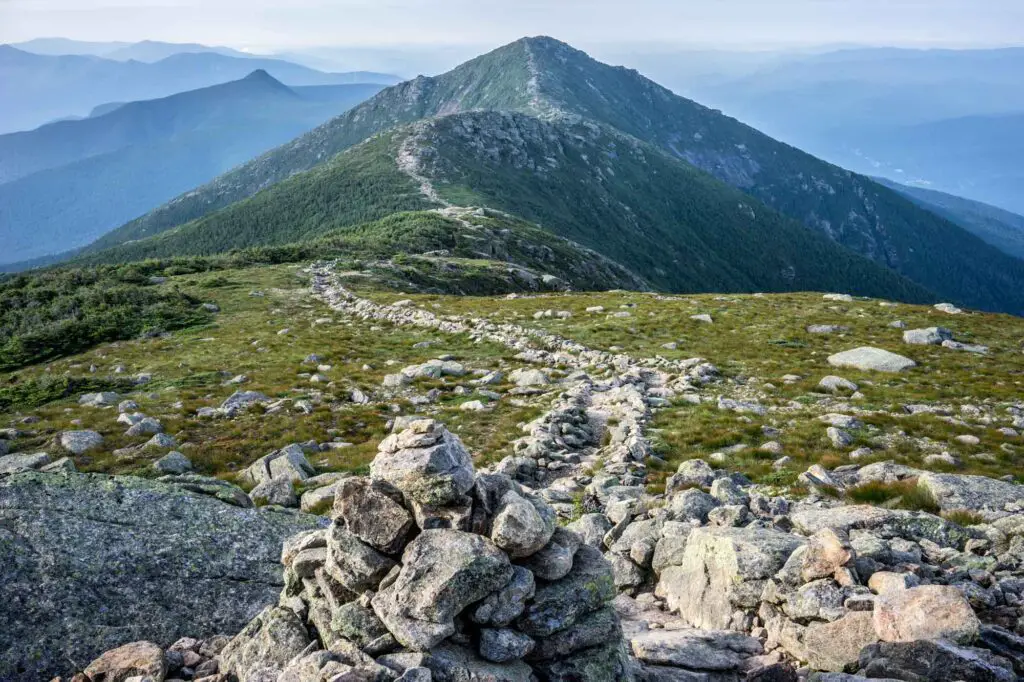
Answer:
[(90, 562)]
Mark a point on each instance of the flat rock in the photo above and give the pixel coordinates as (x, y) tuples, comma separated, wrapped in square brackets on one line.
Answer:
[(974, 493), (83, 555), (130, 660), (836, 646), (27, 462), (867, 358), (700, 650), (934, 660)]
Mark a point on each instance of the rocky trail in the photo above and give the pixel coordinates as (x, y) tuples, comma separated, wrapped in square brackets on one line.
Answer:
[(564, 561)]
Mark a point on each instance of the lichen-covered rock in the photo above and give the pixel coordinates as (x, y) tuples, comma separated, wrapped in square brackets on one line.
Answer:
[(723, 569), (933, 660), (954, 492), (371, 514), (558, 604), (697, 650), (266, 644), (277, 491), (867, 358), (554, 560), (80, 442), (836, 646), (289, 462), (426, 462), (353, 563), (83, 555), (523, 525), (443, 572), (504, 605)]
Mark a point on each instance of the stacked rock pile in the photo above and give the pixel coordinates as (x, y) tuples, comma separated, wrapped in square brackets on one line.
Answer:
[(432, 571)]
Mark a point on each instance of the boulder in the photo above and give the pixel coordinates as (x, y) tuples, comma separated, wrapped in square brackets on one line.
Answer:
[(443, 572), (289, 461), (27, 462), (80, 442), (925, 612), (173, 463), (277, 491), (975, 493), (698, 650), (836, 646), (353, 563), (867, 358), (265, 646), (426, 462), (724, 569), (143, 659), (86, 554), (554, 560), (523, 525), (503, 606), (557, 605), (933, 660), (931, 336), (373, 515)]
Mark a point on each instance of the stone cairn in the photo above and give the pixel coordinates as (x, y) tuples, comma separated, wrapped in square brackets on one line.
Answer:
[(432, 571)]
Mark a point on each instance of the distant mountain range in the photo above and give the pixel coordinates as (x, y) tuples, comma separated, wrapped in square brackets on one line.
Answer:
[(68, 183), (38, 89), (143, 51), (950, 120), (603, 156)]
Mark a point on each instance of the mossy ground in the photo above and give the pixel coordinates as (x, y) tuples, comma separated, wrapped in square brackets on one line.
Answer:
[(754, 340)]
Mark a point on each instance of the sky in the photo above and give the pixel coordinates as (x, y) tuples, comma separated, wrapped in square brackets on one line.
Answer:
[(273, 25)]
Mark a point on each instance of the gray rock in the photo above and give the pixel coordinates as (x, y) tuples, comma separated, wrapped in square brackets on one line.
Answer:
[(693, 472), (523, 525), (162, 441), (503, 606), (836, 646), (277, 491), (86, 554), (241, 400), (934, 660), (975, 493), (925, 612), (931, 336), (723, 569), (554, 560), (141, 659), (426, 462), (147, 426), (867, 358), (173, 463), (267, 643), (592, 528), (80, 442), (98, 399), (606, 663), (705, 650), (289, 461), (834, 384), (594, 629), (558, 604), (443, 572), (692, 505), (27, 462), (452, 663), (504, 645), (371, 514), (354, 564)]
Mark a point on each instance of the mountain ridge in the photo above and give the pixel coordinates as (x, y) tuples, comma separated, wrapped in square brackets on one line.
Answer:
[(547, 78)]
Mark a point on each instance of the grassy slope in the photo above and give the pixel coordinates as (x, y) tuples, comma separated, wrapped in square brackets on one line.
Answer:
[(756, 338)]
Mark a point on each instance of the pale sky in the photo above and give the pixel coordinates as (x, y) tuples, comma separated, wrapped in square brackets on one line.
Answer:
[(281, 24)]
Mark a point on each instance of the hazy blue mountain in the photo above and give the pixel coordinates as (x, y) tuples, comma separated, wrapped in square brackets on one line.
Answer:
[(59, 46), (1002, 229), (154, 51), (975, 156), (68, 183), (38, 89)]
